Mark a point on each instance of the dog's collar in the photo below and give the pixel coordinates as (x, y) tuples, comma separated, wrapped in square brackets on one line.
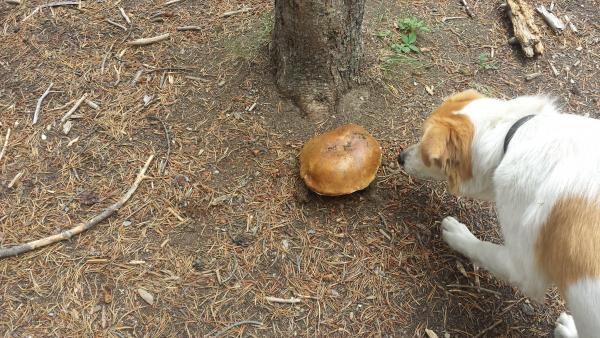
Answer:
[(513, 129)]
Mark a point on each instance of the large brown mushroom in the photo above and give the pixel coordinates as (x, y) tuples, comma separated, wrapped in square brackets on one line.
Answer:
[(341, 161)]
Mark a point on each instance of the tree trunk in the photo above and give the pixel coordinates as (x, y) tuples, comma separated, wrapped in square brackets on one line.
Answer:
[(316, 51)]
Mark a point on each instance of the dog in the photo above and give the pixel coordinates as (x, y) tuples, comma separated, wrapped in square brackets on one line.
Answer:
[(542, 169)]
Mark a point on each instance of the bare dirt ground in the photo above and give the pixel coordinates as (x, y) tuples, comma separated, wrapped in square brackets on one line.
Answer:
[(223, 221)]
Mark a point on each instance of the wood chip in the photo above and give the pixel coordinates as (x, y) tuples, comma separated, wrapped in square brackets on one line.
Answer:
[(430, 333), (146, 296), (532, 76)]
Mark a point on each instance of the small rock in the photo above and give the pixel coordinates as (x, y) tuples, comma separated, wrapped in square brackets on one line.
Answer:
[(528, 309), (198, 264), (44, 137), (146, 296), (126, 223)]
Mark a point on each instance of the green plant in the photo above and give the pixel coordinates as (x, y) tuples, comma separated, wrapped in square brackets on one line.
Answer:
[(485, 63), (383, 34), (407, 45), (412, 25)]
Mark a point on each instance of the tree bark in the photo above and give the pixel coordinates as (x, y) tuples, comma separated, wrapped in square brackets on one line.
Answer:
[(316, 51)]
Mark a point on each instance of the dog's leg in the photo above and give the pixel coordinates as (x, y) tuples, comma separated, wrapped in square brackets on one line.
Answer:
[(565, 327), (493, 257)]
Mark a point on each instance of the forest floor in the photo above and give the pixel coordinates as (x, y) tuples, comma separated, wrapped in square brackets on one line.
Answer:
[(223, 221)]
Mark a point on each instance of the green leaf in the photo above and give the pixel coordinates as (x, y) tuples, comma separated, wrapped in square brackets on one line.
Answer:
[(412, 37), (405, 49), (414, 48), (405, 39), (383, 33), (396, 47)]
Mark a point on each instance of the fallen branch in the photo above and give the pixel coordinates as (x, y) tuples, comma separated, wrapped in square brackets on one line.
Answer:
[(234, 325), (552, 20), (283, 300), (5, 144), (239, 11), (148, 41), (67, 234), (38, 106), (525, 29), (74, 108)]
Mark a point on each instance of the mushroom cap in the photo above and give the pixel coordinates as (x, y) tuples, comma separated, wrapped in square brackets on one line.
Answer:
[(341, 161)]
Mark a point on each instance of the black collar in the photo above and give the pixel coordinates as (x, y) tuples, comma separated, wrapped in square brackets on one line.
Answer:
[(513, 129)]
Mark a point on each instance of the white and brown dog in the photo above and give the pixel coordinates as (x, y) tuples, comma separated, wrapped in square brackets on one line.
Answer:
[(542, 169)]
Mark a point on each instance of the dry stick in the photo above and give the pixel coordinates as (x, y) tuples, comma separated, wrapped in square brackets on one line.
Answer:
[(171, 2), (15, 179), (148, 41), (5, 144), (13, 2), (459, 286), (52, 4), (283, 300), (188, 28), (67, 234), (229, 327), (74, 108), (467, 8), (239, 11), (488, 329), (552, 20), (116, 24), (38, 107), (124, 15)]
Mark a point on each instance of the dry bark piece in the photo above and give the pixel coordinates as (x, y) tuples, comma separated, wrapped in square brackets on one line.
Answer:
[(552, 20), (341, 161), (146, 296), (525, 29)]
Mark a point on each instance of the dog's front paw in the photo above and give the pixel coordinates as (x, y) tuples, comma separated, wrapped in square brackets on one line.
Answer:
[(565, 327), (456, 234)]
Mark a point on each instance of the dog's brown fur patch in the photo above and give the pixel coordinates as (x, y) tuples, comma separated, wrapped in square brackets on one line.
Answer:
[(447, 139), (568, 246)]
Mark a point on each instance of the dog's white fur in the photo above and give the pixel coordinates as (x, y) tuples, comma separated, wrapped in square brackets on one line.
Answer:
[(550, 157)]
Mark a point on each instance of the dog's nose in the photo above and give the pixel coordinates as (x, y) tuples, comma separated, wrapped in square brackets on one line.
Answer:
[(402, 158)]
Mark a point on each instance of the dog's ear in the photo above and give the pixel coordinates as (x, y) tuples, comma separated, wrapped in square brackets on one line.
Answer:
[(446, 144)]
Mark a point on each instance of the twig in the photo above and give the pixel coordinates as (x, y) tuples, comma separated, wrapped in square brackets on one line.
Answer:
[(52, 4), (459, 286), (283, 300), (171, 2), (552, 20), (38, 107), (448, 18), (13, 2), (148, 41), (74, 108), (125, 16), (234, 325), (116, 24), (239, 11), (5, 145), (67, 234), (188, 28), (467, 8), (15, 180), (162, 167), (480, 334)]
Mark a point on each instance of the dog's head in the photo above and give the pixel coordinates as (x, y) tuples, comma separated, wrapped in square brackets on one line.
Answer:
[(444, 152)]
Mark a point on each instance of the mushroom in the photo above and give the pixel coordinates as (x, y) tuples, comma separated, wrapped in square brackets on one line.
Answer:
[(341, 161)]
